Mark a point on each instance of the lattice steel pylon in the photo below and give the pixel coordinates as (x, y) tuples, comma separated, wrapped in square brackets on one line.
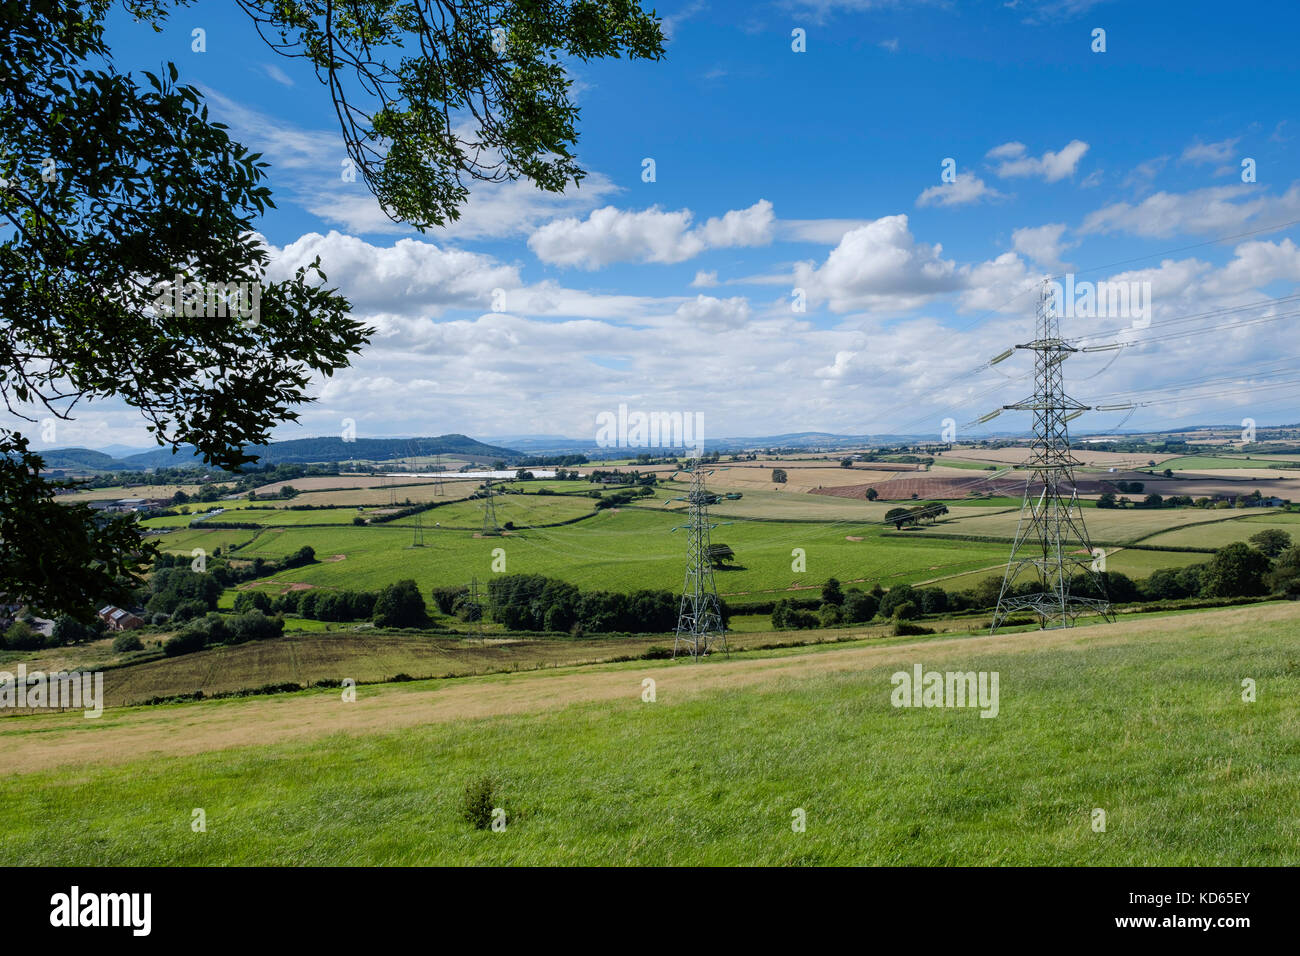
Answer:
[(1051, 544), (490, 525), (699, 620)]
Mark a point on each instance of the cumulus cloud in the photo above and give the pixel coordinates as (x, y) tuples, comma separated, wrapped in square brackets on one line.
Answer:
[(1042, 244), (879, 266), (611, 235)]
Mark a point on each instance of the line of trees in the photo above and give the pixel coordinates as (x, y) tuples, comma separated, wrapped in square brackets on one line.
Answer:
[(1268, 564), (534, 602)]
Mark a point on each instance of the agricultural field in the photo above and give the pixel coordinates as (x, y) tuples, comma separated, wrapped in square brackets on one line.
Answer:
[(618, 549), (589, 773), (1105, 525), (1223, 533), (1134, 562), (1207, 463), (128, 491), (634, 546)]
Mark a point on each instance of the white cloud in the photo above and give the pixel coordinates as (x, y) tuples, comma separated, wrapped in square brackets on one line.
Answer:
[(879, 266), (277, 74), (1209, 211), (1051, 167), (1006, 151), (1041, 244), (705, 280), (611, 235), (825, 231), (716, 314), (968, 188), (1199, 153)]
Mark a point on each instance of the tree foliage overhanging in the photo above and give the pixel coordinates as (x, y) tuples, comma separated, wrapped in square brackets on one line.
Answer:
[(129, 263)]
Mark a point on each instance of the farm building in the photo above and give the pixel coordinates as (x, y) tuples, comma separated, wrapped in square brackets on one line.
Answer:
[(118, 619)]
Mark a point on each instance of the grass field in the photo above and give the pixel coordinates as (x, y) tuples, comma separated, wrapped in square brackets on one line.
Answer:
[(623, 549), (1105, 525), (1223, 533), (635, 546), (1144, 719)]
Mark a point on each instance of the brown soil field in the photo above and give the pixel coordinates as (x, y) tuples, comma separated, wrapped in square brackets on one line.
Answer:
[(1016, 454)]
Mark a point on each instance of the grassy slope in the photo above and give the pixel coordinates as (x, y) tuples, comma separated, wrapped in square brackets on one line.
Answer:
[(1143, 719)]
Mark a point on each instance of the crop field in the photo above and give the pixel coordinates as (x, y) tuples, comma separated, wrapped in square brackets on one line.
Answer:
[(1105, 525), (381, 495), (1155, 732), (1223, 533), (128, 491), (1221, 462)]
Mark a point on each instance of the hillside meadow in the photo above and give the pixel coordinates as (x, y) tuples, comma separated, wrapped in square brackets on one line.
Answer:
[(1143, 719)]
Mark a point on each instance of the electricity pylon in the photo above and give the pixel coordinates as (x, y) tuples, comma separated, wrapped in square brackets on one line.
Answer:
[(490, 525), (417, 535), (1051, 532), (699, 620)]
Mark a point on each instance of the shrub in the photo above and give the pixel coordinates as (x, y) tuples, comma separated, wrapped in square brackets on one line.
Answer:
[(188, 611), (127, 642), (186, 642), (252, 601), (829, 615), (898, 594), (908, 629), (21, 636), (255, 626), (478, 802), (445, 597), (907, 611)]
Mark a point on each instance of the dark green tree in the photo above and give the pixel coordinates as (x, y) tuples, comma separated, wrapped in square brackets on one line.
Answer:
[(1271, 541), (1235, 571), (400, 605)]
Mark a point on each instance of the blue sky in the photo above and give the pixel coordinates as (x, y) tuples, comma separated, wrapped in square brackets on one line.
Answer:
[(820, 170)]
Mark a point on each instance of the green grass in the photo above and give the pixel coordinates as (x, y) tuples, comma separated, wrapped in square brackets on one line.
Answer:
[(1152, 729), (622, 551), (1223, 533)]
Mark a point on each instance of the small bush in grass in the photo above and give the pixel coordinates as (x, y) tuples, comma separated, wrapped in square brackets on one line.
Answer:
[(907, 629), (657, 653), (127, 642), (479, 801)]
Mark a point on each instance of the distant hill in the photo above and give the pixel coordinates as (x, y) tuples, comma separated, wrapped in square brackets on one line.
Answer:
[(78, 458), (298, 451)]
